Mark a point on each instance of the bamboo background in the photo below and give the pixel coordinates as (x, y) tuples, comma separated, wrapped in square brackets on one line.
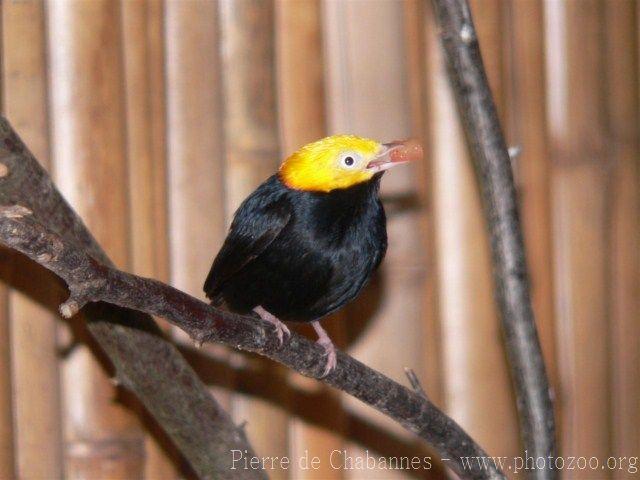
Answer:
[(158, 118)]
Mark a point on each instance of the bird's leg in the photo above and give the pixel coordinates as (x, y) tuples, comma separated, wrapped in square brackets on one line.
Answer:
[(281, 328), (329, 348)]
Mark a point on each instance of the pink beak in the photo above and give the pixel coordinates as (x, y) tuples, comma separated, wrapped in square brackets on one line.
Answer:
[(395, 153)]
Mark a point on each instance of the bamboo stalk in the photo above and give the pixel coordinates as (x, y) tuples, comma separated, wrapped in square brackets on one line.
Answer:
[(474, 366), (35, 358), (195, 149), (302, 118), (252, 155), (143, 53), (144, 83), (300, 72), (6, 409), (418, 87), (575, 105), (252, 136), (156, 16), (621, 36), (366, 96), (103, 439), (7, 467), (195, 140)]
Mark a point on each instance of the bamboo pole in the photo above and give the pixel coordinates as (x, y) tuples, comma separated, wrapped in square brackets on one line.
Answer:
[(143, 52), (367, 95), (301, 98), (143, 38), (6, 409), (575, 105), (624, 274), (195, 151), (7, 469), (252, 155), (35, 358), (103, 439), (526, 127), (195, 141), (252, 135), (475, 373), (302, 118), (414, 11), (156, 15)]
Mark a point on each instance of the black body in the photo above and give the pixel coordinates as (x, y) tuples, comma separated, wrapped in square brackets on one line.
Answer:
[(300, 255)]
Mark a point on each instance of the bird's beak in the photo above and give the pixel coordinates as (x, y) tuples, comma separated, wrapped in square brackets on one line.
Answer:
[(395, 153)]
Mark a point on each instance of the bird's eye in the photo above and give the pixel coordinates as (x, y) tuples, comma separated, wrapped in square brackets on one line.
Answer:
[(348, 160)]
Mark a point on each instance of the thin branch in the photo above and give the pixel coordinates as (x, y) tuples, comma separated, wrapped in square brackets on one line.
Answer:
[(415, 382), (144, 362), (91, 279), (491, 158)]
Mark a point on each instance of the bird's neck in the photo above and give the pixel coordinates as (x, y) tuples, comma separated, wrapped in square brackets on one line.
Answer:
[(359, 191), (346, 207)]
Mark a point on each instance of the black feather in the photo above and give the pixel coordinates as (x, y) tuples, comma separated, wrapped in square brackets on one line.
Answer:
[(300, 255)]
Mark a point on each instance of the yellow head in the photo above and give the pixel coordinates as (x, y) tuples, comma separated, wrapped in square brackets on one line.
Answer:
[(342, 161), (339, 161)]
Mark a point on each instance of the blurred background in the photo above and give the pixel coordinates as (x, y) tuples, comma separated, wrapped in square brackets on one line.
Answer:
[(157, 118)]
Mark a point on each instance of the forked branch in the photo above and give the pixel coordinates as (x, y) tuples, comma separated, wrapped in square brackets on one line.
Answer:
[(91, 279)]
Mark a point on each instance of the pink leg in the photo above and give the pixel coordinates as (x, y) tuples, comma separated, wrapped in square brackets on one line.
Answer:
[(281, 328), (329, 348)]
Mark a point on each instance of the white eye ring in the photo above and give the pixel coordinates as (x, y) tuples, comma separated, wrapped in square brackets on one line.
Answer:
[(349, 160)]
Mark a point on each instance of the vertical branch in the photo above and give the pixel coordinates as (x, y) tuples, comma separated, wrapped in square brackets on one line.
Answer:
[(473, 354), (34, 351), (492, 162), (527, 127)]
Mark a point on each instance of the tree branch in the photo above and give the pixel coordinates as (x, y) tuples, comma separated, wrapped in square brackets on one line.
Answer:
[(90, 279), (491, 158), (144, 362)]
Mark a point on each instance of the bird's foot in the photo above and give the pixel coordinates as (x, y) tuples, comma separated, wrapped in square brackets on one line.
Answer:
[(329, 348), (330, 352), (281, 329)]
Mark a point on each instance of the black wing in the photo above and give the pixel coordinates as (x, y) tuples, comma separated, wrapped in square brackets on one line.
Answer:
[(256, 224)]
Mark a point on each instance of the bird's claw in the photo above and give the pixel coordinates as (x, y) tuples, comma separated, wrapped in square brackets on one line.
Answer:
[(282, 331), (329, 352)]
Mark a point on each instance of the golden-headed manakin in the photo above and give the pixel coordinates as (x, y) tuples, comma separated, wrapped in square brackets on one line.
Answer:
[(306, 241)]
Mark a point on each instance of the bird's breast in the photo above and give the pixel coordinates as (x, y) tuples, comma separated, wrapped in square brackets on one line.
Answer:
[(338, 241)]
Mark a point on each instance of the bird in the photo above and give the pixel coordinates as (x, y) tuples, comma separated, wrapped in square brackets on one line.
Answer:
[(308, 239)]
